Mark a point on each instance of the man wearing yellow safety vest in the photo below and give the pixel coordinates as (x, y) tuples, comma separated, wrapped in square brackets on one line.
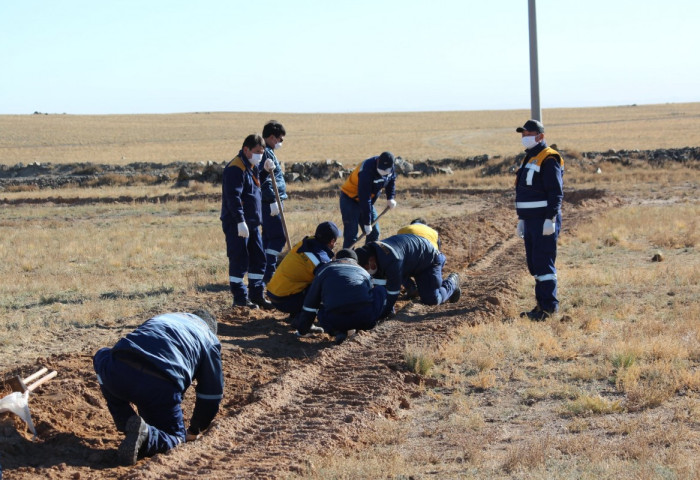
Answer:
[(360, 191), (539, 193)]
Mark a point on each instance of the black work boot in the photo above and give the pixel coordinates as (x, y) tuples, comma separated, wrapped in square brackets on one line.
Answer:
[(245, 303), (262, 302), (454, 278), (136, 430)]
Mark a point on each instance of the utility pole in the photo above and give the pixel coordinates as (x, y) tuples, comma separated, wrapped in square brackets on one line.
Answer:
[(535, 110)]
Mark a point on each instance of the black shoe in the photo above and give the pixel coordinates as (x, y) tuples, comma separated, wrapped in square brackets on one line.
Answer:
[(537, 314), (136, 436), (454, 278), (340, 337), (262, 302), (245, 304)]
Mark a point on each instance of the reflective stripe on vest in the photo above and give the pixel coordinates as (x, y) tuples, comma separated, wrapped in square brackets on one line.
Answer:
[(540, 204)]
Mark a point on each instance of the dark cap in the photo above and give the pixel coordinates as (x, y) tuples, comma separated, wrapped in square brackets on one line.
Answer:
[(385, 161), (531, 126), (346, 253), (363, 254), (326, 231)]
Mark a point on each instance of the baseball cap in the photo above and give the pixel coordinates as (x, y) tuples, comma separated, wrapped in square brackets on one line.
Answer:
[(385, 161), (327, 231), (346, 253), (531, 126)]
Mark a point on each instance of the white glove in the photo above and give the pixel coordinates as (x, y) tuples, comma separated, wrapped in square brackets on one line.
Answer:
[(521, 228), (274, 209), (269, 165), (243, 230), (391, 203), (367, 229), (548, 228)]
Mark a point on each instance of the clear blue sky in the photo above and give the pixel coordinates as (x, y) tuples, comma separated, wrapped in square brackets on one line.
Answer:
[(157, 56)]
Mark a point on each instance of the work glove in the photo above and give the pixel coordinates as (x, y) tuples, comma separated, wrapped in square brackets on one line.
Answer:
[(521, 228), (274, 209), (367, 229), (269, 165), (548, 228), (391, 203), (243, 230)]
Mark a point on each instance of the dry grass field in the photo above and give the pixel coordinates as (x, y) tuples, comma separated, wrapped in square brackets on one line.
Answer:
[(610, 388), (349, 138)]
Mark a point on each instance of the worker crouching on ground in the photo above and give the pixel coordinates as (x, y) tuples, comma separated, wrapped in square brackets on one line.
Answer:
[(360, 191), (406, 255), (151, 368), (343, 298), (539, 192), (289, 284), (418, 227)]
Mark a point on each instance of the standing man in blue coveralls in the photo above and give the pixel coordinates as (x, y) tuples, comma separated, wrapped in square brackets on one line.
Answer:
[(152, 367), (241, 216), (539, 192), (406, 255), (273, 235), (360, 191), (343, 297)]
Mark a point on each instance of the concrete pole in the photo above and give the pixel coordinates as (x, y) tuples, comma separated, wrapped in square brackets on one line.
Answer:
[(535, 110)]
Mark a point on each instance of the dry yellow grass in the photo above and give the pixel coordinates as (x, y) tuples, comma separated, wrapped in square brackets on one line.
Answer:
[(613, 392), (349, 138)]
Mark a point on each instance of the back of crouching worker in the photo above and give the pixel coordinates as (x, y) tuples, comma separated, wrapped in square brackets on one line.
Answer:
[(151, 368), (343, 297)]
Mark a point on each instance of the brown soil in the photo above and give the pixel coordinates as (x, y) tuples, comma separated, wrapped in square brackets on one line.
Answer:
[(285, 398)]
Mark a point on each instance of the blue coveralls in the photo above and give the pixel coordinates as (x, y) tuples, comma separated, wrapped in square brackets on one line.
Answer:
[(539, 193), (344, 299), (152, 367), (409, 256), (357, 197), (272, 231), (241, 201)]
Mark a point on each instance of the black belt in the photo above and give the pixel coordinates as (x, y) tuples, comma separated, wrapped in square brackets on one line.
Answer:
[(139, 365)]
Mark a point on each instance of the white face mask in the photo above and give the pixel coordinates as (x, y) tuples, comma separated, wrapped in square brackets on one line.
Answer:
[(255, 159), (529, 142), (278, 145), (371, 271), (384, 173)]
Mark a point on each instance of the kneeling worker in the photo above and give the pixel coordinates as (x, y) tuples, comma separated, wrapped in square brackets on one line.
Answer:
[(343, 297), (151, 368), (288, 285), (406, 255)]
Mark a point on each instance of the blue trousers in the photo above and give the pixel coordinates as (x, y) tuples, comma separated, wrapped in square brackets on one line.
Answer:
[(273, 240), (157, 400), (433, 290), (289, 304), (541, 253), (245, 255), (350, 211), (336, 321)]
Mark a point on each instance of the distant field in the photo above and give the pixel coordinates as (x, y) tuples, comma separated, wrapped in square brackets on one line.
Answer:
[(123, 139)]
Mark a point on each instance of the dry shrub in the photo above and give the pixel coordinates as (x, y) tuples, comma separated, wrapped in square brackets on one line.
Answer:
[(417, 360), (22, 188), (110, 180), (482, 381), (526, 456), (591, 405)]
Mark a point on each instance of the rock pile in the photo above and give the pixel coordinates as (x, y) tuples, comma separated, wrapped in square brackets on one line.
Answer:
[(180, 174)]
